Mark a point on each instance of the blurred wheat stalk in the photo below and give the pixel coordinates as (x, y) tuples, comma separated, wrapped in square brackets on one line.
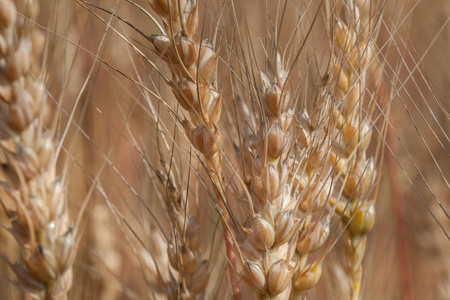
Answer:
[(280, 139)]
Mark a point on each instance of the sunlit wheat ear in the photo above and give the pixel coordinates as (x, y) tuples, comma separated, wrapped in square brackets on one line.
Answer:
[(266, 249), (193, 63), (287, 176), (31, 193)]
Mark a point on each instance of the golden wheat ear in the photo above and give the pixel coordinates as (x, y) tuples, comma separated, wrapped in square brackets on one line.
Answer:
[(31, 192), (193, 65), (354, 46)]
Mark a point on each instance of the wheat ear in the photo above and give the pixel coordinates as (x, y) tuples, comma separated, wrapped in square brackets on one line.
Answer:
[(31, 193), (354, 44), (184, 247), (289, 184), (267, 259), (283, 197), (193, 64)]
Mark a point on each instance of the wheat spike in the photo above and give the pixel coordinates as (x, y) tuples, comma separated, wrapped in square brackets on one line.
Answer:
[(354, 44), (193, 64), (31, 193)]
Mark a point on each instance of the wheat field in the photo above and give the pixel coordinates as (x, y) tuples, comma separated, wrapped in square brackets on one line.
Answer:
[(232, 149)]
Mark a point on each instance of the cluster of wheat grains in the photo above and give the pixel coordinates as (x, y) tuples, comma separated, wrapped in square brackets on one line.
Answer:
[(225, 149), (32, 195), (291, 170)]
